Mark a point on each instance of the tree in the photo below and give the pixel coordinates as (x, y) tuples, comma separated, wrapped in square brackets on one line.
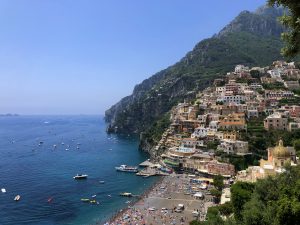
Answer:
[(292, 22), (240, 194), (253, 212), (255, 74), (288, 212), (297, 145), (217, 195), (226, 209), (218, 182)]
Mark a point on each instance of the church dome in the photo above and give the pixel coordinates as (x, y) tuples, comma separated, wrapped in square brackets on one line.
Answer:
[(280, 151)]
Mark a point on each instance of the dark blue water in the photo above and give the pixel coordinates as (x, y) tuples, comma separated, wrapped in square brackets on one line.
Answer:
[(38, 173)]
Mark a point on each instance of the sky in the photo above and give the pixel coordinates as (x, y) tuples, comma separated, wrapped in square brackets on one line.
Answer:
[(82, 56)]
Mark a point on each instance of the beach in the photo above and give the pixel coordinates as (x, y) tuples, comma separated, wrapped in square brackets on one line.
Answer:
[(159, 205)]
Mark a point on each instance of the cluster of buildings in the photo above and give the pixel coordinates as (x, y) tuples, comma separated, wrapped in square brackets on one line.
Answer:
[(278, 157), (215, 121)]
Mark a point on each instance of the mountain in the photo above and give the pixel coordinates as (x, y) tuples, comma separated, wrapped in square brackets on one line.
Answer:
[(252, 38)]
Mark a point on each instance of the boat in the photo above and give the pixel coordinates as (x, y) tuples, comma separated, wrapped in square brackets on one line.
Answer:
[(3, 190), (126, 194), (94, 196), (109, 196), (125, 168), (101, 181), (17, 198), (80, 176), (49, 199), (85, 200)]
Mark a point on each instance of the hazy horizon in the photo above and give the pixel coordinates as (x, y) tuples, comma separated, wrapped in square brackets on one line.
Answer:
[(74, 57)]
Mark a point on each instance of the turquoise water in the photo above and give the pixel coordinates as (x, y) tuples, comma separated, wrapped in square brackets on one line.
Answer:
[(38, 173)]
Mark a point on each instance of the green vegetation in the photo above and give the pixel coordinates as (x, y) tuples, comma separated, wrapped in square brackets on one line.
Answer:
[(292, 21), (255, 74), (270, 201), (297, 92), (213, 144), (291, 101), (274, 86), (218, 182), (219, 185), (246, 42), (154, 133)]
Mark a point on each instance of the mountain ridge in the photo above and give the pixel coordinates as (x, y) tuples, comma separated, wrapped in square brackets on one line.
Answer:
[(250, 39)]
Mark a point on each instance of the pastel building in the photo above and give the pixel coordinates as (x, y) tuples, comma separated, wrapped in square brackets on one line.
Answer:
[(276, 121)]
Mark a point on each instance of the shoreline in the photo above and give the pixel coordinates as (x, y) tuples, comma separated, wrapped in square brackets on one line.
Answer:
[(136, 200), (159, 204)]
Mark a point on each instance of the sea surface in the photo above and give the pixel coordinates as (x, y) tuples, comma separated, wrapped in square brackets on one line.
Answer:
[(42, 173)]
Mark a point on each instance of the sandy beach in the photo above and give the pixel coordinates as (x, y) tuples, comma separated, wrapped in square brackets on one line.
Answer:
[(157, 206)]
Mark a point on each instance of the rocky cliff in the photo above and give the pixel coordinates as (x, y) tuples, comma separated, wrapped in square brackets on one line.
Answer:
[(252, 38)]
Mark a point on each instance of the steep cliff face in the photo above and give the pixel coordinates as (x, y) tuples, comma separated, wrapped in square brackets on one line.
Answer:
[(263, 22), (250, 39)]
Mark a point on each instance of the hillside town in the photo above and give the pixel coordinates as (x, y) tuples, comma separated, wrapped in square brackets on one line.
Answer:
[(215, 133), (217, 122)]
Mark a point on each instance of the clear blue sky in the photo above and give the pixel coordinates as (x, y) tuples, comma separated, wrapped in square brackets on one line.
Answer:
[(82, 56)]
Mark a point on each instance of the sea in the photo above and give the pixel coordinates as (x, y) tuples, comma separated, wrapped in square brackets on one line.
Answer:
[(42, 174)]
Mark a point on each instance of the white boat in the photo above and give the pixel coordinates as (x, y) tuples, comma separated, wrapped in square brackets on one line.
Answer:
[(125, 168), (3, 190), (126, 194), (17, 198), (80, 176)]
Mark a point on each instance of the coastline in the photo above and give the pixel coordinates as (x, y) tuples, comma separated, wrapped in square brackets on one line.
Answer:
[(135, 201), (158, 205)]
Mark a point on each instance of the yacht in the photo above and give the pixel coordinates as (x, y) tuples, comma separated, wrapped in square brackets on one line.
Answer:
[(125, 168), (80, 176)]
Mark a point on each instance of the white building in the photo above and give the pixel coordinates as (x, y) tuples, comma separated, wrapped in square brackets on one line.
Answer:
[(241, 68), (201, 132), (233, 98)]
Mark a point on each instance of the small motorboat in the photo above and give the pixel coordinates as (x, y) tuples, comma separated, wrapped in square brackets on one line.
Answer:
[(101, 181), (85, 200), (109, 196), (80, 176), (94, 196), (17, 198), (126, 194), (93, 201), (3, 190), (49, 199)]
